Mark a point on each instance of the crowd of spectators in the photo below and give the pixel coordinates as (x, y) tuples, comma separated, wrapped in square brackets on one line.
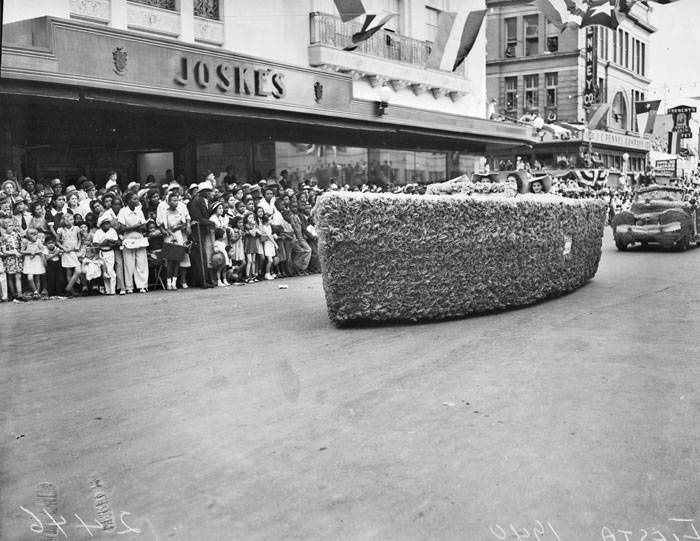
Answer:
[(82, 239)]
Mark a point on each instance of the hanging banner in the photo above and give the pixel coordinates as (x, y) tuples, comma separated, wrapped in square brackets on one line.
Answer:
[(681, 120), (590, 90)]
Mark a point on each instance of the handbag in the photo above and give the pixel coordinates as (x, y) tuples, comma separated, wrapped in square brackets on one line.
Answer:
[(133, 244), (172, 251)]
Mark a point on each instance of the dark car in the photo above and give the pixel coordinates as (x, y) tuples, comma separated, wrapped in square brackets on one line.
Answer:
[(659, 214)]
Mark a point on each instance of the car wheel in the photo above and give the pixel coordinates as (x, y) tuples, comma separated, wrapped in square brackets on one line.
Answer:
[(622, 246), (683, 243)]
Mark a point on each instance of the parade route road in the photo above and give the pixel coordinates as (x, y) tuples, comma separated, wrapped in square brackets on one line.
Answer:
[(244, 414)]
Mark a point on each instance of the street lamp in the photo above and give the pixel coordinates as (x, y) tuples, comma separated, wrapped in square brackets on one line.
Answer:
[(384, 97)]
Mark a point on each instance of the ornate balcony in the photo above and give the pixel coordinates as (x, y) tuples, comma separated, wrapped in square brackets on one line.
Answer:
[(386, 57)]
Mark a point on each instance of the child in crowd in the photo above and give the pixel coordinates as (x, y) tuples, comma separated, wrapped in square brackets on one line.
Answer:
[(54, 271), (285, 240), (69, 242), (105, 240), (21, 216), (12, 259), (251, 247), (155, 239), (268, 240), (236, 253), (220, 247), (90, 264), (38, 219), (33, 266)]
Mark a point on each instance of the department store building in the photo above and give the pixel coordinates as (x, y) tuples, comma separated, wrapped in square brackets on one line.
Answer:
[(260, 86)]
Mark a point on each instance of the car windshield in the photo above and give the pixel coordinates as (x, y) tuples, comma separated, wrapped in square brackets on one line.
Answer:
[(668, 195)]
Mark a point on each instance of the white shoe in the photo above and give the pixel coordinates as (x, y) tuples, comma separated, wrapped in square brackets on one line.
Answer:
[(221, 284), (226, 283), (268, 276), (184, 285)]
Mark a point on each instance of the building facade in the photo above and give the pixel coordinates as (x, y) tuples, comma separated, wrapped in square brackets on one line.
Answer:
[(141, 86), (533, 67)]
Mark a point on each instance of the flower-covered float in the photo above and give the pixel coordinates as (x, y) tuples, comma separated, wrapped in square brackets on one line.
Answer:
[(412, 257)]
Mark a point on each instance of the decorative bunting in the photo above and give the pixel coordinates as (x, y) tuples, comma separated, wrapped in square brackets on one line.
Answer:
[(601, 12), (349, 9), (646, 115), (471, 31), (446, 21), (368, 31)]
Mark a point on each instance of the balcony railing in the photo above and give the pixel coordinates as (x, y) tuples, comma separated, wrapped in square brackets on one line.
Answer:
[(331, 31)]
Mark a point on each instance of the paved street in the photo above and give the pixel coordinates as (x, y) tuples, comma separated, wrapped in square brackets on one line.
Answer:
[(245, 414)]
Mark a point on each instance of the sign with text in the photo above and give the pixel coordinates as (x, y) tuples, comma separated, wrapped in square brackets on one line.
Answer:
[(601, 137), (666, 167), (681, 120), (590, 90)]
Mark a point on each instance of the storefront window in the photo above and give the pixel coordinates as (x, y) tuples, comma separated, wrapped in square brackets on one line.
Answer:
[(324, 163)]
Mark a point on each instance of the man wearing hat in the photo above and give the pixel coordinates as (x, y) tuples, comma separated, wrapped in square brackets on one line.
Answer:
[(56, 186), (203, 233)]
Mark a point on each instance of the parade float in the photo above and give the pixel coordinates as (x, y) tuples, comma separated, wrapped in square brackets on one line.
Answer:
[(467, 246)]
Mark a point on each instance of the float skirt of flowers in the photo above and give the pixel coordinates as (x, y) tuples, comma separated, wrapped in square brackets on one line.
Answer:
[(408, 257)]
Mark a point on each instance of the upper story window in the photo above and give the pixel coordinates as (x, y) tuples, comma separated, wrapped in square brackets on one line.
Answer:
[(511, 37), (163, 4), (644, 60), (551, 82), (207, 9), (532, 94), (627, 49), (393, 6), (511, 94), (552, 44), (431, 23), (531, 31)]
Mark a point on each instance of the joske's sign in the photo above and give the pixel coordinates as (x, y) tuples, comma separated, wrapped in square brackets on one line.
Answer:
[(230, 78)]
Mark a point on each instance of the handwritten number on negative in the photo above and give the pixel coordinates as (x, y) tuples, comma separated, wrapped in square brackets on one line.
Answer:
[(129, 529), (37, 526), (57, 524), (88, 527)]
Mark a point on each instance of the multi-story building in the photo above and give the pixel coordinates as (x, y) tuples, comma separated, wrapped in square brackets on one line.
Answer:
[(533, 67), (141, 86)]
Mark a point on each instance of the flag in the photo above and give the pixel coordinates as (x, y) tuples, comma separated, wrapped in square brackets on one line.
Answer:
[(646, 115), (369, 28), (349, 9), (561, 12), (600, 12), (446, 21), (557, 12), (674, 142), (596, 116), (591, 178), (626, 5), (471, 31)]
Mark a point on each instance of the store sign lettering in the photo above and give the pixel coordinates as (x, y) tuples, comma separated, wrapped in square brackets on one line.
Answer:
[(225, 77), (615, 139)]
